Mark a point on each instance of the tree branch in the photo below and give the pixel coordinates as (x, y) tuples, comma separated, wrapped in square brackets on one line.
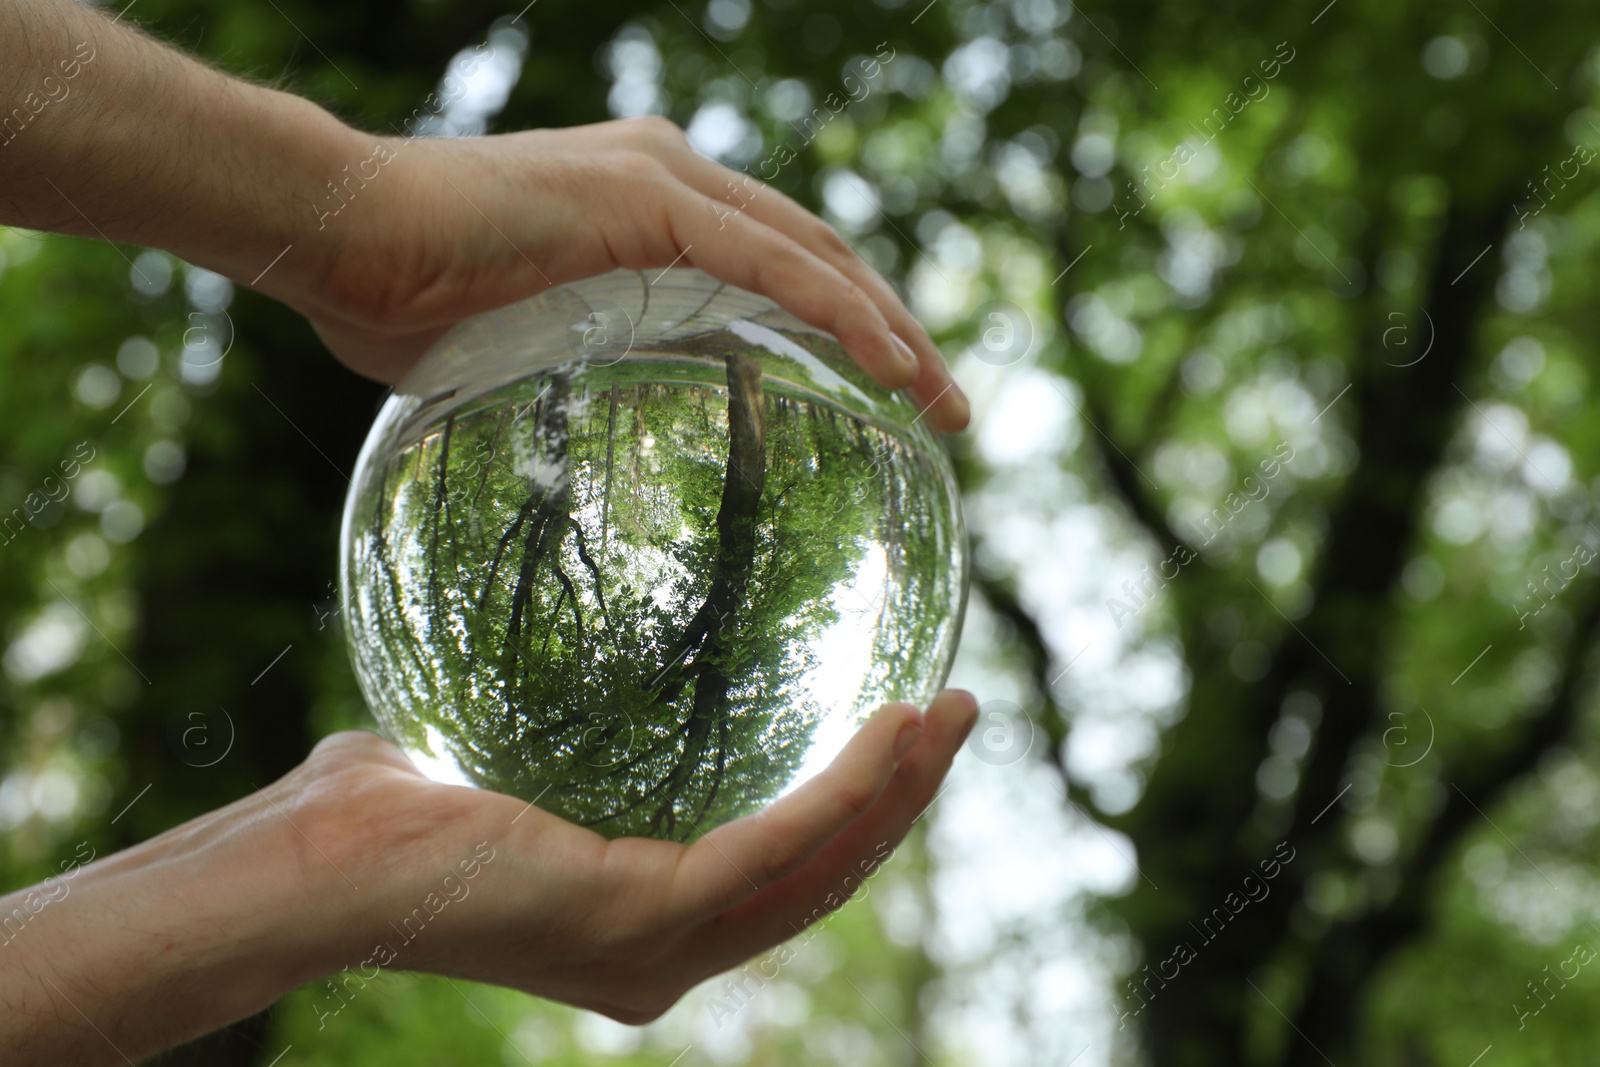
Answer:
[(1403, 421), (1003, 601), (1353, 950), (1133, 487)]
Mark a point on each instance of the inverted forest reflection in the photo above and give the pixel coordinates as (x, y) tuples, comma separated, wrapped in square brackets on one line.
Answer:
[(653, 595)]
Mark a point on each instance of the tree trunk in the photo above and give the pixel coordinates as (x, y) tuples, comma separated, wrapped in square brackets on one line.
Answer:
[(711, 631), (1407, 416)]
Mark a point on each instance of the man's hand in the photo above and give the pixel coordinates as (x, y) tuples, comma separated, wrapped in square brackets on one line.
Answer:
[(620, 927), (448, 228), (332, 866)]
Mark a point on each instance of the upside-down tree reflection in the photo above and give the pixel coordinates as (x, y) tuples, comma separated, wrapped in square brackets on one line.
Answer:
[(605, 587)]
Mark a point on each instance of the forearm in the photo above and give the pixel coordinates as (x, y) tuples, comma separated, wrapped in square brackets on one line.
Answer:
[(186, 933), (107, 133)]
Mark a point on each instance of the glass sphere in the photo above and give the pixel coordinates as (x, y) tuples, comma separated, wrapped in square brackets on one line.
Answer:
[(646, 551)]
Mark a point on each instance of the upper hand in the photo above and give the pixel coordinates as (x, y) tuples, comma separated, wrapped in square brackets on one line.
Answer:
[(449, 228)]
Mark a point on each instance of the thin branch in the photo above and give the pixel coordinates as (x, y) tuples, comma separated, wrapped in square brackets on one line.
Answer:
[(1054, 723), (1124, 475)]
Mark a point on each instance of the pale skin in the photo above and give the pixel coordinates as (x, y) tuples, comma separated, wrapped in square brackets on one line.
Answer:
[(217, 918)]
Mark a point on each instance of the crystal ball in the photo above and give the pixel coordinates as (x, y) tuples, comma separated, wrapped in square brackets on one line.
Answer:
[(644, 551)]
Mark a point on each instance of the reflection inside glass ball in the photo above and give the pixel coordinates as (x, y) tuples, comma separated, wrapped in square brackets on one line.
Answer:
[(646, 553)]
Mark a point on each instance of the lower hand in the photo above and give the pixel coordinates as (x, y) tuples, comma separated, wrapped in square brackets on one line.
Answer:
[(619, 927), (355, 860)]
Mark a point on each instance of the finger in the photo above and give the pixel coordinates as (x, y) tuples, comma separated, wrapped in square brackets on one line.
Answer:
[(751, 255), (940, 399), (925, 374), (737, 860), (744, 194), (931, 385), (838, 869)]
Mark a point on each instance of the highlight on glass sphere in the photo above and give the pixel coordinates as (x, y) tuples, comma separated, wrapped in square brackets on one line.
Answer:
[(646, 551)]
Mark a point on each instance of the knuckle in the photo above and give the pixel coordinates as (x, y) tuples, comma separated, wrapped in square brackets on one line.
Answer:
[(354, 742), (614, 924), (626, 936), (347, 752), (626, 926), (645, 1004), (780, 855), (660, 130), (856, 797), (374, 287), (792, 254), (746, 185), (638, 166), (856, 303), (830, 239)]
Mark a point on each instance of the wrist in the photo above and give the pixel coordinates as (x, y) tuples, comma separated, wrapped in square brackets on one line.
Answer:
[(375, 227), (262, 226), (190, 931), (349, 205)]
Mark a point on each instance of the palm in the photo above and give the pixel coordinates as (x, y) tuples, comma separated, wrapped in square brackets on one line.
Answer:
[(624, 927)]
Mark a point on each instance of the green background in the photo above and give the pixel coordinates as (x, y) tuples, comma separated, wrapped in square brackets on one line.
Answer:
[(1380, 257)]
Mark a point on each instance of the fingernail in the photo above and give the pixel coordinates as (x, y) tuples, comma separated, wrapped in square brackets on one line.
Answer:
[(905, 739), (908, 358), (972, 714), (972, 722), (961, 407)]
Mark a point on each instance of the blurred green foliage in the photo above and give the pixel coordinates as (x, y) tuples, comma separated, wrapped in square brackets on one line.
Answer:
[(1377, 248)]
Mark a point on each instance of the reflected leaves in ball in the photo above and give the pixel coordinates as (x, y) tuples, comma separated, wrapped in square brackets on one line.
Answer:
[(646, 553)]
